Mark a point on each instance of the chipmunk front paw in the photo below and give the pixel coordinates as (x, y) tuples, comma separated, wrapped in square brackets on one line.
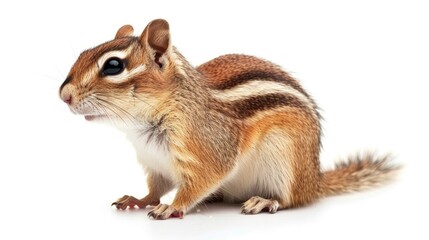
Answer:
[(164, 211), (131, 202)]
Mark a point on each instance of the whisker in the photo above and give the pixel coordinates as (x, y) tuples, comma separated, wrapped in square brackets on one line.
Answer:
[(135, 97), (112, 106), (157, 111), (101, 98), (52, 78), (103, 109), (100, 108), (150, 105)]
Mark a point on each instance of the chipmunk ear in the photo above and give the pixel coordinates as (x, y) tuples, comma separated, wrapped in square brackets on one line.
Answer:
[(124, 31), (156, 36)]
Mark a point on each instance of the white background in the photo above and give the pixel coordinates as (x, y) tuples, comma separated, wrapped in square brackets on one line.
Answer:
[(365, 63)]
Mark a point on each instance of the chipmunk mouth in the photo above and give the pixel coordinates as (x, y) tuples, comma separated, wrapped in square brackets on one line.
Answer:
[(94, 117)]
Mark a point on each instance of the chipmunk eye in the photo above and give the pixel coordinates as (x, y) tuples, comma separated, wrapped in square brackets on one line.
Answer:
[(113, 66)]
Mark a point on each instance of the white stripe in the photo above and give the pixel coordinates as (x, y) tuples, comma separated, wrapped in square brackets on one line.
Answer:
[(119, 54), (125, 75), (258, 88)]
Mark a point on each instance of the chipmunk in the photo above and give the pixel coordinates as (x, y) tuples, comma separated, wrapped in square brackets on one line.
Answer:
[(237, 128)]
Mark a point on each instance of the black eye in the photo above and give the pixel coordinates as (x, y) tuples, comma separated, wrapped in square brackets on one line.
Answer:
[(113, 66)]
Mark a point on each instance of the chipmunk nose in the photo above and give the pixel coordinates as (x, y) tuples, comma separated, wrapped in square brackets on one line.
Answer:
[(67, 98), (66, 91)]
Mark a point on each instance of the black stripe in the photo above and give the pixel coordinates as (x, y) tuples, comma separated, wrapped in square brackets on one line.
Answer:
[(262, 76), (115, 45), (68, 79), (248, 107)]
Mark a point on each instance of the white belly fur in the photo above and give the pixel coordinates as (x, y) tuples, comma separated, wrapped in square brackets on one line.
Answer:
[(151, 155), (265, 171)]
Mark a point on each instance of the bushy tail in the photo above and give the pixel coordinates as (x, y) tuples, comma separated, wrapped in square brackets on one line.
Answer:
[(358, 173)]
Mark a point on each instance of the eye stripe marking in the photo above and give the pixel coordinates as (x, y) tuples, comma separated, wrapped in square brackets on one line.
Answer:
[(125, 75), (106, 56)]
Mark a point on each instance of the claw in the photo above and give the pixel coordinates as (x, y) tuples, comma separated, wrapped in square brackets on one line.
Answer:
[(151, 215), (127, 201), (257, 204), (164, 211)]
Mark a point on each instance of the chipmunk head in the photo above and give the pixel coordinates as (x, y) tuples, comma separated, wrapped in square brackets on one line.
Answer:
[(122, 79)]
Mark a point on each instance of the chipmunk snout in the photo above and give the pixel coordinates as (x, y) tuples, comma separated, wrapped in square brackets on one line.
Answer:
[(67, 98), (66, 91)]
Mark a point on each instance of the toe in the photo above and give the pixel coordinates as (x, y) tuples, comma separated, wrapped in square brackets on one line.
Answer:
[(119, 200), (164, 211), (249, 205), (257, 204), (274, 207), (127, 201)]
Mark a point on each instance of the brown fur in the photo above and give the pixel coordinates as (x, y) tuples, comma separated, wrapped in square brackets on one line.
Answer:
[(305, 156), (357, 173), (212, 140), (223, 72)]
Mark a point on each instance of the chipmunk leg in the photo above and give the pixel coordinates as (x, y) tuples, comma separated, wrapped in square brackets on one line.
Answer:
[(186, 197), (195, 188), (158, 186)]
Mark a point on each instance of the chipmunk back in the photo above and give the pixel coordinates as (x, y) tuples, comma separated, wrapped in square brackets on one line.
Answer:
[(237, 128)]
